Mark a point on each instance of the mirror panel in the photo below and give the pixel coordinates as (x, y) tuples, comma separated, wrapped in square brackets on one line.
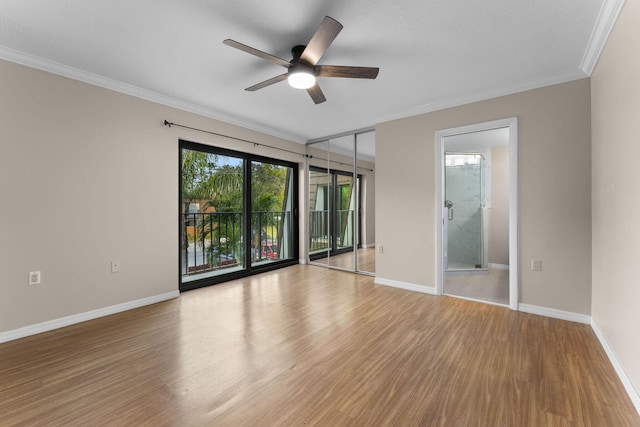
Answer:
[(365, 156), (341, 152), (319, 184), (341, 202)]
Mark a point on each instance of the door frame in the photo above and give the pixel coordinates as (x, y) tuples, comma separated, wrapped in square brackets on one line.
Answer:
[(512, 124)]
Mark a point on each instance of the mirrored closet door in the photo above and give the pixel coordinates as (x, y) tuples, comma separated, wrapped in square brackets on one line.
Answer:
[(341, 203)]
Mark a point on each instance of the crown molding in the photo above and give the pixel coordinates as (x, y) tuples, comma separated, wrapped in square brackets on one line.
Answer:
[(604, 24), (486, 95), (53, 67), (602, 29)]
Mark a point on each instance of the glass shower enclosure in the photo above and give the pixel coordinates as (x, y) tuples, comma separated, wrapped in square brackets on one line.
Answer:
[(464, 211)]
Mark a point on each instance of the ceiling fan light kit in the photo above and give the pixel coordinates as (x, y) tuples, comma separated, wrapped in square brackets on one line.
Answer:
[(303, 69), (301, 77)]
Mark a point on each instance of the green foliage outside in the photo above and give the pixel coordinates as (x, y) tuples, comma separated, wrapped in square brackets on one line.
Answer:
[(220, 185), (216, 182)]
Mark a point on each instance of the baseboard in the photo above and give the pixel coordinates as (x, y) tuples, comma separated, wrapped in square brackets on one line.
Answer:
[(556, 314), (302, 261), (626, 382), (370, 245), (83, 317), (499, 266), (405, 285)]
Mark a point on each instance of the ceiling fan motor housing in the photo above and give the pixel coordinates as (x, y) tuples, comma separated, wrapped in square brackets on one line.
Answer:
[(296, 52)]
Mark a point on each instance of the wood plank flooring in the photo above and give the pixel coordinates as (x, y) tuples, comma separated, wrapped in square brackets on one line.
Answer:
[(308, 346)]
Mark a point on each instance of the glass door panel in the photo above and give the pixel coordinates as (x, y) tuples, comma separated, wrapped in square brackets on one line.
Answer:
[(271, 213), (464, 209), (212, 218)]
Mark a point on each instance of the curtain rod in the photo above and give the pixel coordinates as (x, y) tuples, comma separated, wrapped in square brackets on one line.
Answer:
[(255, 144)]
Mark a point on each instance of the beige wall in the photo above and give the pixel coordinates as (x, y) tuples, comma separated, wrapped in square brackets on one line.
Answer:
[(499, 211), (88, 176), (554, 192), (615, 87)]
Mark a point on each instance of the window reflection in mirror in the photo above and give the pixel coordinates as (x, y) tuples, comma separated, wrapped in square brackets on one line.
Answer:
[(341, 202)]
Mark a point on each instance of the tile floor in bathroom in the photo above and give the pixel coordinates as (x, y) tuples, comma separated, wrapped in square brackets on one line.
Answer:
[(491, 285)]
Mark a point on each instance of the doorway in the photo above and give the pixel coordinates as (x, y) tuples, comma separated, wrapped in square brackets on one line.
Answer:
[(476, 177)]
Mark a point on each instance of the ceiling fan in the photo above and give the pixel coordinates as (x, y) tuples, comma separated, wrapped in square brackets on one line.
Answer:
[(303, 69)]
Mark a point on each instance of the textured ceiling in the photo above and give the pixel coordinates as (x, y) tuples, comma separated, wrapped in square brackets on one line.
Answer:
[(431, 54)]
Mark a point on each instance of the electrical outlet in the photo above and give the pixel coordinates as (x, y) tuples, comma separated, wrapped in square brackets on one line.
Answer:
[(115, 266), (34, 278), (380, 249), (536, 265)]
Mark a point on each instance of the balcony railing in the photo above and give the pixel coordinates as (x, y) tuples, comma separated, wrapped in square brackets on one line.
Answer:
[(321, 230), (213, 241), (318, 231)]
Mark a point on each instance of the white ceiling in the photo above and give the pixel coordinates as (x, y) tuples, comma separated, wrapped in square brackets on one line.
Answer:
[(432, 54)]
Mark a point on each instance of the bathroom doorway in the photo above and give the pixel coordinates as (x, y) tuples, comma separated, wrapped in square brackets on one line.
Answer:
[(477, 212)]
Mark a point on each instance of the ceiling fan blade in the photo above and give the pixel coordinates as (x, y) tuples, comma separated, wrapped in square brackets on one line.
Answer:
[(316, 94), (346, 71), (323, 37), (256, 52), (266, 83)]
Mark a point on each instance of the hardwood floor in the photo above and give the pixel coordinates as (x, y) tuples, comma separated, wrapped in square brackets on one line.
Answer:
[(312, 346)]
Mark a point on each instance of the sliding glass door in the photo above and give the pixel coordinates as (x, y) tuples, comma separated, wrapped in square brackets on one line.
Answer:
[(237, 214)]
